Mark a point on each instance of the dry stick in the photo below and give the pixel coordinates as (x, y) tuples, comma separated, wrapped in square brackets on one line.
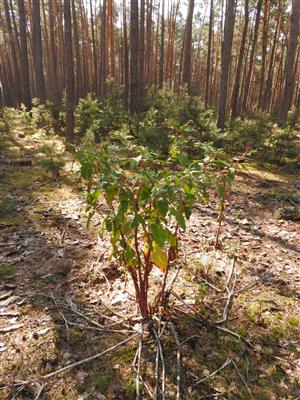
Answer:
[(76, 364), (156, 373), (211, 285), (39, 393), (62, 315), (220, 217), (139, 355), (230, 293), (163, 369), (94, 357), (91, 321), (226, 363), (210, 324), (145, 384), (242, 379), (178, 358), (94, 328)]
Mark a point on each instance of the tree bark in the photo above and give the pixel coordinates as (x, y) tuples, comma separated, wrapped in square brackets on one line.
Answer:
[(251, 61), (69, 70), (187, 53), (125, 56), (24, 55), (16, 73), (225, 62), (290, 63), (162, 47), (38, 51), (238, 75), (134, 57), (208, 64), (103, 70)]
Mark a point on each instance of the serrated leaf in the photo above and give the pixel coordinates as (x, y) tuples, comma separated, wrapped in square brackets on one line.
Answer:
[(110, 192), (171, 238), (130, 256), (159, 234), (159, 257), (162, 207), (187, 212), (144, 194), (108, 224), (179, 218)]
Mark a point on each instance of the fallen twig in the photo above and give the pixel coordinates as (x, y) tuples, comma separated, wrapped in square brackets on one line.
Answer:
[(138, 368), (178, 359), (230, 292), (242, 379), (226, 363), (75, 364), (86, 360), (163, 368)]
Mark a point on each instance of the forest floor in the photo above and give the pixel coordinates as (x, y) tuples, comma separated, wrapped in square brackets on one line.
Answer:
[(62, 299)]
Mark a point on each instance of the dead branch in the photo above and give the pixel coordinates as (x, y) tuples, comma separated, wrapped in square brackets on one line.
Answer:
[(178, 359), (226, 363), (161, 356), (89, 359), (242, 379), (138, 367)]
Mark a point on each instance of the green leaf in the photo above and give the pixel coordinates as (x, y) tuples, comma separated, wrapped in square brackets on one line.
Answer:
[(162, 207), (145, 193), (187, 212), (110, 192), (123, 207), (159, 234), (108, 224), (159, 257), (90, 216), (136, 221), (171, 238), (179, 218), (130, 256), (135, 161), (86, 171)]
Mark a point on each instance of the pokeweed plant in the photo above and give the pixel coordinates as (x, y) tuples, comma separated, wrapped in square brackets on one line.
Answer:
[(149, 201)]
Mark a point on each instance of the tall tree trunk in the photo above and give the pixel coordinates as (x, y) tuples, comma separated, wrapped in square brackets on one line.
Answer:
[(103, 70), (238, 75), (125, 56), (24, 55), (95, 75), (226, 61), (69, 70), (162, 47), (290, 62), (264, 52), (208, 64), (187, 53), (53, 54), (251, 61), (37, 51), (142, 51), (16, 73), (269, 81), (149, 42), (134, 56), (78, 65)]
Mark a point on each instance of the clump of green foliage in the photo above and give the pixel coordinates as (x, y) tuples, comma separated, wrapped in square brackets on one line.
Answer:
[(261, 138), (51, 161), (98, 118), (149, 201), (40, 117)]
